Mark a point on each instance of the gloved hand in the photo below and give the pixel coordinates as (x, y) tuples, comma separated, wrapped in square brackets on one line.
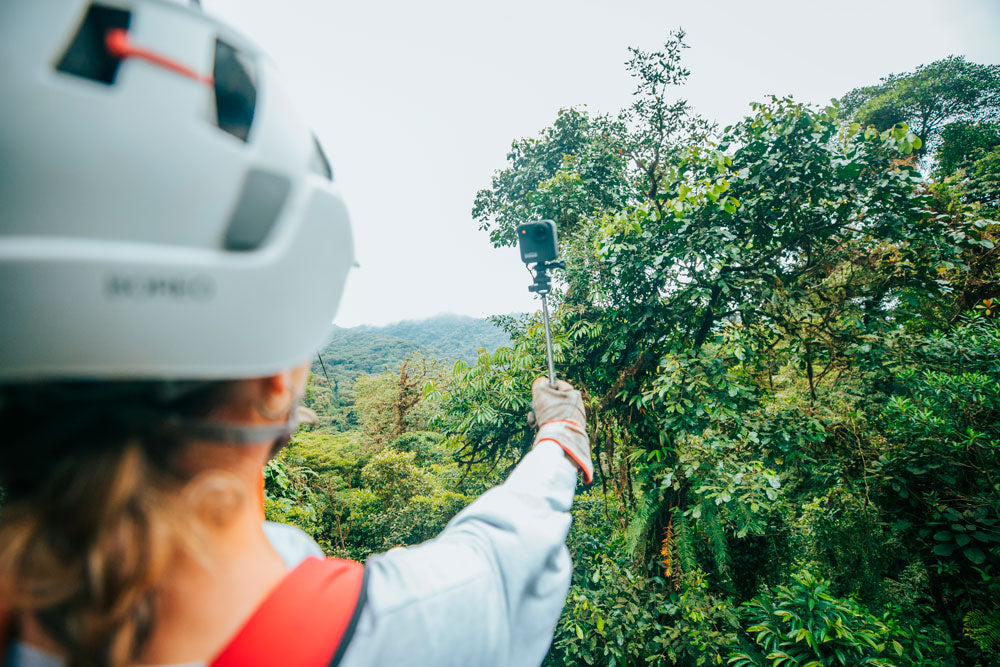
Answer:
[(559, 413), (559, 403)]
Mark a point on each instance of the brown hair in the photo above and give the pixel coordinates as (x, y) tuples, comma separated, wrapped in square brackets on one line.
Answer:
[(90, 519)]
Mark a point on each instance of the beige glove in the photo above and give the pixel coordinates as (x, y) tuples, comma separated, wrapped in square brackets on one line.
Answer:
[(559, 413), (559, 403)]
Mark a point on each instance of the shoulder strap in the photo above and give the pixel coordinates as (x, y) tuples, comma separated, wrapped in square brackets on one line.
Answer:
[(307, 621)]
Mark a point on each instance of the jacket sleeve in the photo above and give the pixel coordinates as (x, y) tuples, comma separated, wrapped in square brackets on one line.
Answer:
[(488, 590)]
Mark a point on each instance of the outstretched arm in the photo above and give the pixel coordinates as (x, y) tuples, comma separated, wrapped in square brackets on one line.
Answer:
[(489, 589)]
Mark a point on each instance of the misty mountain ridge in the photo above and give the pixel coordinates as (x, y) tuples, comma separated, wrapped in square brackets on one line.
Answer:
[(374, 349), (448, 335)]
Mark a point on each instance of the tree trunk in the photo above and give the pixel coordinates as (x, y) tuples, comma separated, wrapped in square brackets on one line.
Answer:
[(708, 319), (809, 371)]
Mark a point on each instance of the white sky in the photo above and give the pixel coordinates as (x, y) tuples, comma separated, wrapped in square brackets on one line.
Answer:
[(417, 102)]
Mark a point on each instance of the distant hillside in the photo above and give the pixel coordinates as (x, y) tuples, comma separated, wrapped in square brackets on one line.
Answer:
[(368, 349), (348, 355), (449, 336), (351, 352)]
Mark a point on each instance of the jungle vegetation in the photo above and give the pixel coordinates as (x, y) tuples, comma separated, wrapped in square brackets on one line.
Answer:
[(787, 334), (369, 350)]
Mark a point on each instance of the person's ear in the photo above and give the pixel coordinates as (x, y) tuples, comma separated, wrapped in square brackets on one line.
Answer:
[(275, 396), (299, 376), (277, 392)]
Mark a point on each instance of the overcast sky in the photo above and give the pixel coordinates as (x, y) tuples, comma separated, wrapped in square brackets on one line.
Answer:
[(417, 103)]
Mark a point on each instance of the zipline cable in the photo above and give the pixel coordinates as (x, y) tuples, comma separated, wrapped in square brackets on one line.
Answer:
[(323, 364)]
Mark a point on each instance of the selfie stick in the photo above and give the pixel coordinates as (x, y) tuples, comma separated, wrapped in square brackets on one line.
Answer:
[(542, 286)]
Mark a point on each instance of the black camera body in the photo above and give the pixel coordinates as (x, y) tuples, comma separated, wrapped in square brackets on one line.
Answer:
[(538, 242), (540, 246)]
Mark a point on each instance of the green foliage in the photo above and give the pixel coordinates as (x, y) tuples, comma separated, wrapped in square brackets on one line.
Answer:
[(445, 336), (400, 503), (963, 142), (387, 482), (840, 536), (982, 184), (583, 165), (984, 629), (946, 90), (617, 616), (764, 322), (485, 411), (357, 498), (804, 624), (573, 167), (288, 496), (391, 403), (367, 350), (787, 342)]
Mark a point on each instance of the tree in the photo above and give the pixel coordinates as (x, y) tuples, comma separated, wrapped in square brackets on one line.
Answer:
[(582, 166), (941, 470), (571, 169), (658, 128), (928, 98), (730, 327), (963, 142), (391, 403), (983, 186)]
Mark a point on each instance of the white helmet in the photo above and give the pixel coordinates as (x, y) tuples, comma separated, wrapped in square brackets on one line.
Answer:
[(164, 213)]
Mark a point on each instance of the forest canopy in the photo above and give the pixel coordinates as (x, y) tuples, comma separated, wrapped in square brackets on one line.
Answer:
[(786, 333)]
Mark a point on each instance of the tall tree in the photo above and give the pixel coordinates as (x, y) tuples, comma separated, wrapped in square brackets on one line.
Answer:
[(928, 98), (963, 142), (571, 169), (728, 327), (582, 166)]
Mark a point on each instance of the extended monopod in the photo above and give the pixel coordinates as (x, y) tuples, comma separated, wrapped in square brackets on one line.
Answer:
[(539, 245)]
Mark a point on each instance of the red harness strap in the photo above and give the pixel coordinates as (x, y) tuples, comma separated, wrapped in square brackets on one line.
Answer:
[(306, 621)]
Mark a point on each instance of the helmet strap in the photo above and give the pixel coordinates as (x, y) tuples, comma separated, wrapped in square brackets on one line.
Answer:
[(232, 433)]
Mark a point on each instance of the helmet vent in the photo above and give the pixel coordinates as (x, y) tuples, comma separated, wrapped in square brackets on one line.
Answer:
[(87, 55), (235, 90), (318, 162), (257, 210)]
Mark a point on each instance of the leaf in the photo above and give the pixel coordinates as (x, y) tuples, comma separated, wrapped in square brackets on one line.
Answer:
[(975, 555), (945, 549)]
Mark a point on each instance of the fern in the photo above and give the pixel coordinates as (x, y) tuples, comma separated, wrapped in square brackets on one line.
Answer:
[(684, 543), (640, 525), (983, 628), (715, 531)]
